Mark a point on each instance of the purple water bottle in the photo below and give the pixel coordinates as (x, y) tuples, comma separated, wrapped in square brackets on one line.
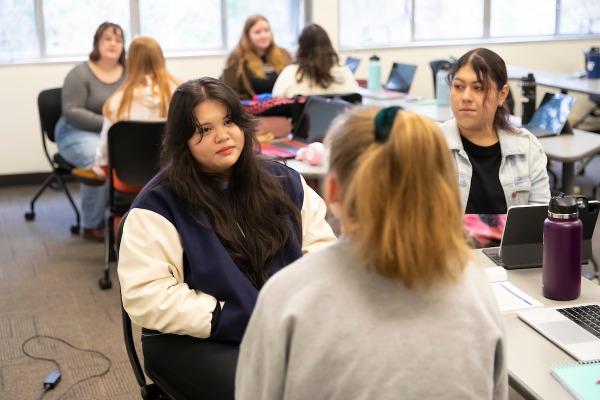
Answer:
[(561, 263)]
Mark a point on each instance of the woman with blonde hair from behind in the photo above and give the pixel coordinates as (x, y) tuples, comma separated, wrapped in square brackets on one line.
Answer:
[(144, 96), (254, 64), (416, 307)]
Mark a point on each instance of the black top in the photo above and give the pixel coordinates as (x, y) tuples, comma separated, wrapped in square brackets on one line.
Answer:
[(263, 85), (486, 195)]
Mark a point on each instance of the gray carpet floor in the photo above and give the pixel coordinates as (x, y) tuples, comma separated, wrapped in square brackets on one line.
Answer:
[(49, 287)]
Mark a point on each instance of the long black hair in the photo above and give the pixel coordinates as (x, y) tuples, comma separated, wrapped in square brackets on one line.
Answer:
[(254, 216), (489, 67)]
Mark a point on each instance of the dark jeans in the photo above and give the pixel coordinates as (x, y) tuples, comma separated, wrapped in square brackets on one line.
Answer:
[(191, 368)]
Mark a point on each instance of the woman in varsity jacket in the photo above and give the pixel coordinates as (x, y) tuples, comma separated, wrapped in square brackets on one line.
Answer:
[(204, 236)]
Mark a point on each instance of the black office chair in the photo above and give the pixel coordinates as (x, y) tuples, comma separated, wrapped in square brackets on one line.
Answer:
[(149, 391), (133, 152), (50, 109)]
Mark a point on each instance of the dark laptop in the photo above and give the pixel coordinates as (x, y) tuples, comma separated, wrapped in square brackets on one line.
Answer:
[(352, 63), (312, 125), (522, 240), (551, 118), (398, 83)]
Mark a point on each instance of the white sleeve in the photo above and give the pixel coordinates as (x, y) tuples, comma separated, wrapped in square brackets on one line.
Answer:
[(316, 232), (283, 82), (102, 150), (150, 272)]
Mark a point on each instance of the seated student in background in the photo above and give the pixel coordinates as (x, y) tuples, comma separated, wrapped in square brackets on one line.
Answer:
[(255, 63), (203, 237), (144, 96), (499, 165), (86, 88), (394, 309), (317, 70)]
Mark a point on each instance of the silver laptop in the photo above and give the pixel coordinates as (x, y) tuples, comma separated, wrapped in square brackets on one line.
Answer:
[(397, 85), (574, 338), (522, 239), (551, 118)]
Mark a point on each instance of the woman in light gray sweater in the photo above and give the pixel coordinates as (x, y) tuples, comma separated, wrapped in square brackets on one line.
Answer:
[(396, 309)]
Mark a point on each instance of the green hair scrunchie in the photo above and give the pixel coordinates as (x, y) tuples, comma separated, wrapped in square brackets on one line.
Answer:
[(384, 121)]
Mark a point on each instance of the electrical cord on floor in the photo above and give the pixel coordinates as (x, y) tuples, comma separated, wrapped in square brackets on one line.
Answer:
[(54, 377)]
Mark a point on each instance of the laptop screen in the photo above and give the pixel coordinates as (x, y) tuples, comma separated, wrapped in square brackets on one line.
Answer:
[(316, 117), (553, 112), (352, 63), (401, 77)]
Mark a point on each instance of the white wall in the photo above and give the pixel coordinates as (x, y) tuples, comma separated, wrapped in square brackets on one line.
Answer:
[(20, 145)]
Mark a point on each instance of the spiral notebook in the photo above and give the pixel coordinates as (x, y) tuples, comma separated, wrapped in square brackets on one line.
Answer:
[(580, 379)]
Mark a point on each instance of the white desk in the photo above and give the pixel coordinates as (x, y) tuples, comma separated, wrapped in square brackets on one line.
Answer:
[(529, 354), (569, 149), (564, 82), (425, 107), (306, 170)]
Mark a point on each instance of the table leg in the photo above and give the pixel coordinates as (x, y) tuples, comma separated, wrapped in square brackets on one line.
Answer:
[(568, 177)]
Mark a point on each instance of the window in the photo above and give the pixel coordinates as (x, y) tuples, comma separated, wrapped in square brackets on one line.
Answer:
[(516, 18), (401, 22), (69, 26), (286, 19), (197, 22), (47, 29), (448, 21), (18, 37), (363, 25)]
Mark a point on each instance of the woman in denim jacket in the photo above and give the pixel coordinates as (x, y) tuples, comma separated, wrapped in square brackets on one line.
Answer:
[(499, 165)]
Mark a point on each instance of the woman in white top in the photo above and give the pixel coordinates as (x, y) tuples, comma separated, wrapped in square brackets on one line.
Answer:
[(316, 70), (144, 96)]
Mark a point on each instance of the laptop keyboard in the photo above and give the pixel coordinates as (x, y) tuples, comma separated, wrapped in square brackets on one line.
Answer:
[(495, 257), (588, 317)]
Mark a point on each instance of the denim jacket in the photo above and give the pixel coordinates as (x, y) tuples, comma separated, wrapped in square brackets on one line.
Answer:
[(523, 174)]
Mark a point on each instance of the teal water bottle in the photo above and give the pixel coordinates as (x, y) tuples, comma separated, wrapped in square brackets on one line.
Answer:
[(442, 88), (374, 78)]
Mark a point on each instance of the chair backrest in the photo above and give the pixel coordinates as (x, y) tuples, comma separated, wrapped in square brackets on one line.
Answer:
[(134, 149), (50, 110), (436, 65)]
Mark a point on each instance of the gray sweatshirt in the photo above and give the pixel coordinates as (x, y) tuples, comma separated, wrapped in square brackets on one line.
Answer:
[(83, 96), (324, 328)]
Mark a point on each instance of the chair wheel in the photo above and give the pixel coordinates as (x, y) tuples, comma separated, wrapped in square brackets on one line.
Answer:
[(29, 216), (105, 283), (75, 229)]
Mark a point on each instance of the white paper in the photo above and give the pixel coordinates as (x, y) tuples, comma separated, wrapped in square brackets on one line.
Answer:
[(496, 274), (512, 299)]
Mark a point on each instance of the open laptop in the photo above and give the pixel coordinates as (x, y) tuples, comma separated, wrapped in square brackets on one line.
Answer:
[(522, 240), (397, 85), (558, 324), (352, 63), (551, 118), (312, 125)]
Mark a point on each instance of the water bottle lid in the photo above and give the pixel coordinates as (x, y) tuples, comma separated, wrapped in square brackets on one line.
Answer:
[(529, 77), (567, 204), (374, 58)]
